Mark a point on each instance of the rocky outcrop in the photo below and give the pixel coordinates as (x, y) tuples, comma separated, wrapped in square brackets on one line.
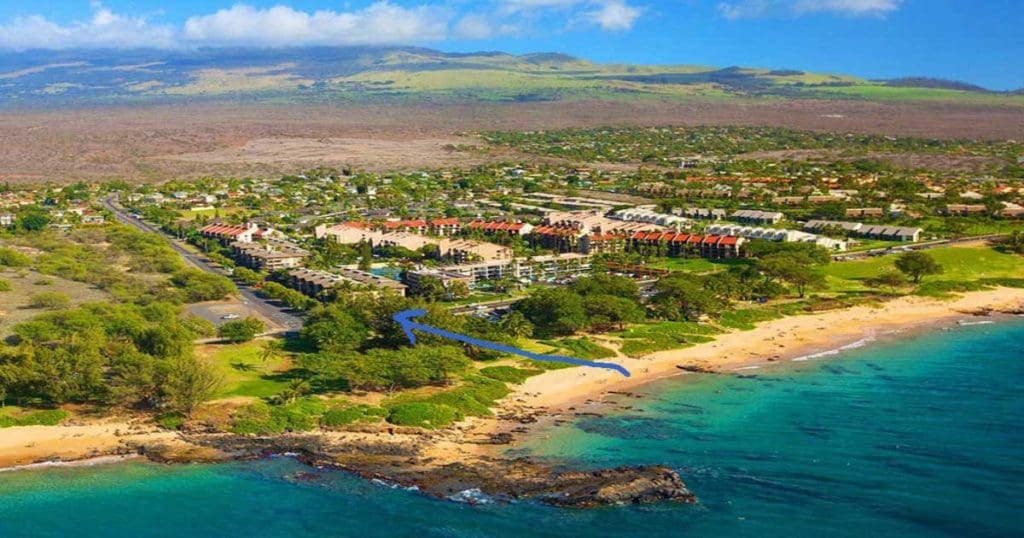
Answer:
[(399, 463)]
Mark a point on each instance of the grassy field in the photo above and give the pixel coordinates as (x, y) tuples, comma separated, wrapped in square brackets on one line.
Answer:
[(12, 416), (646, 338), (244, 372), (960, 264), (14, 304)]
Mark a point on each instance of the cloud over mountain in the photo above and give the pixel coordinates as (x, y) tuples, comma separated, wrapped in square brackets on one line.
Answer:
[(382, 22)]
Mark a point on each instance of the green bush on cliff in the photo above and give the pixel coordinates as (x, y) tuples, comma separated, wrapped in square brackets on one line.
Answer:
[(473, 398), (423, 415), (262, 419), (508, 374), (350, 414)]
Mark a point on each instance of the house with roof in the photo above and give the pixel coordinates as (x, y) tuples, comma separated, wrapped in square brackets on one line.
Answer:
[(965, 209), (703, 213), (865, 212), (465, 250), (755, 216), (227, 233), (777, 235), (649, 215), (891, 233), (674, 244), (270, 255), (498, 228), (445, 227)]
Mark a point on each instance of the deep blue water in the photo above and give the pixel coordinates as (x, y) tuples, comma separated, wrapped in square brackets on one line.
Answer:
[(916, 437)]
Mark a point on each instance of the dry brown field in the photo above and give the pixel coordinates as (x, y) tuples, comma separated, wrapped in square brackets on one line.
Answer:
[(156, 143)]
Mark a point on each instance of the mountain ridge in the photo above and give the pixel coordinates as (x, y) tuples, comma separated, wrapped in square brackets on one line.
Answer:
[(104, 76)]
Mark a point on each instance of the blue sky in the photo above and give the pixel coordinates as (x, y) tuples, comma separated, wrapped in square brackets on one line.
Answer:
[(977, 41)]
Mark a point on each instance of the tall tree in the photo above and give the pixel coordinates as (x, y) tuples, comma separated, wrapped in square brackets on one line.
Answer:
[(189, 383), (918, 265)]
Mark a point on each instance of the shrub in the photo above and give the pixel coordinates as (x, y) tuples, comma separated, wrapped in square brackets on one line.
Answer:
[(349, 414), (262, 419), (242, 330), (508, 374), (199, 286), (423, 415), (5, 285), (13, 258), (49, 299), (171, 421)]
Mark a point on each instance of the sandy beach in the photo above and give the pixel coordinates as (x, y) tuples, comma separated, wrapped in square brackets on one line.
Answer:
[(562, 392), (777, 340), (28, 445), (555, 392)]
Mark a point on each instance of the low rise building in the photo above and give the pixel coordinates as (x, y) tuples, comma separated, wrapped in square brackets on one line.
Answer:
[(466, 250), (7, 219), (685, 245), (498, 228), (891, 233), (315, 283), (270, 255), (757, 217), (227, 233), (649, 215), (778, 235), (871, 231), (865, 212), (703, 213), (965, 209), (414, 279)]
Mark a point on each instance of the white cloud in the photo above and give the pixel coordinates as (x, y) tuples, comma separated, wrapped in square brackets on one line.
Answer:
[(380, 23), (474, 26), (104, 29), (613, 15), (850, 7), (742, 9)]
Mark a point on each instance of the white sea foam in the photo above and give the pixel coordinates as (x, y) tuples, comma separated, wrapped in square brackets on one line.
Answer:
[(968, 323), (393, 485), (748, 368), (101, 460), (830, 352), (471, 496)]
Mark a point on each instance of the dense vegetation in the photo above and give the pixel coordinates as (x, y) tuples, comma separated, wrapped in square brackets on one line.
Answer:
[(668, 145)]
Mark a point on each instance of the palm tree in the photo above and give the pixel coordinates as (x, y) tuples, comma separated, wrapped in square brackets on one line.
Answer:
[(271, 349)]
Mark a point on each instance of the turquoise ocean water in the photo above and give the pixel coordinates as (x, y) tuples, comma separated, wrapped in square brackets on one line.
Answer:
[(921, 436)]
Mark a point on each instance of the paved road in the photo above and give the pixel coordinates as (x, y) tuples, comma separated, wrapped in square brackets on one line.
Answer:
[(286, 319)]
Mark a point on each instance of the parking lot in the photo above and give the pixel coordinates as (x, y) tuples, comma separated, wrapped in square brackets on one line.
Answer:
[(221, 312)]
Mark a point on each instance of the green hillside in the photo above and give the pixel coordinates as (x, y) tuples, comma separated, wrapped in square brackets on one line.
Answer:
[(373, 73)]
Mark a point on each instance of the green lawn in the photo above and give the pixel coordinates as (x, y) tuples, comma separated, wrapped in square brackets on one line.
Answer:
[(244, 372), (960, 265), (640, 340), (12, 416)]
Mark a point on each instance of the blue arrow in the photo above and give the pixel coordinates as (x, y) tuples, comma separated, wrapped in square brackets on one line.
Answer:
[(405, 320)]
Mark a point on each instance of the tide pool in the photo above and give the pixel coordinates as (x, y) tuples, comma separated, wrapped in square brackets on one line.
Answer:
[(919, 436)]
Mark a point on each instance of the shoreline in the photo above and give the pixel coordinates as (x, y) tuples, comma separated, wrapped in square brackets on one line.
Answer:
[(474, 453), (785, 339), (561, 394)]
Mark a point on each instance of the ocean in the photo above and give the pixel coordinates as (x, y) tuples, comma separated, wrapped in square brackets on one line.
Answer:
[(918, 435)]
